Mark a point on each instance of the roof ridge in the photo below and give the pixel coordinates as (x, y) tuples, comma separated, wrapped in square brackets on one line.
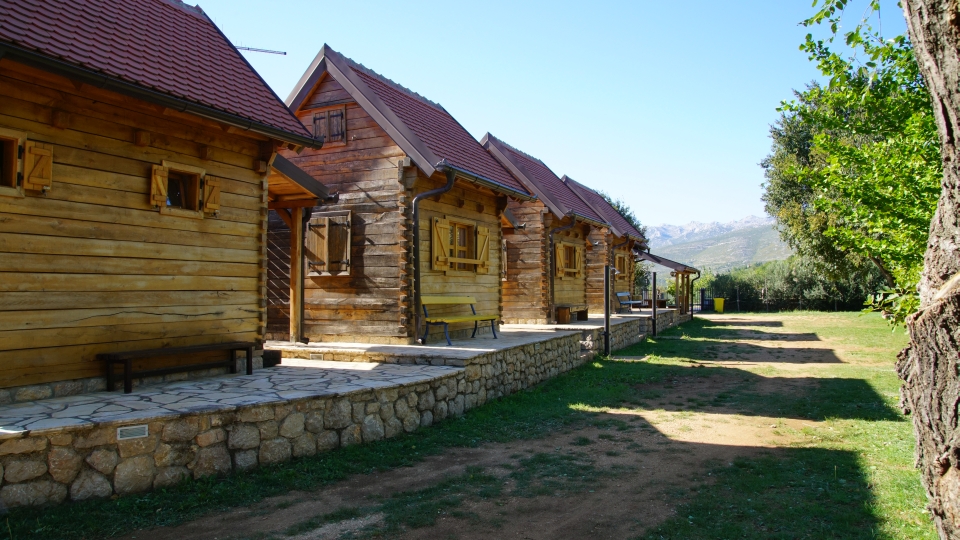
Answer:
[(196, 10), (521, 152), (357, 66)]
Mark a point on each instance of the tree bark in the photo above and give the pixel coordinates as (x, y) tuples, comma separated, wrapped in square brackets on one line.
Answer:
[(929, 365)]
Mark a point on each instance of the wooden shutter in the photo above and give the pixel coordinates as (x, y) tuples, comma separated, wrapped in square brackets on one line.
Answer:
[(578, 260), (558, 259), (320, 125), (337, 124), (483, 250), (440, 244), (37, 166), (338, 244), (503, 260), (158, 186), (211, 194), (315, 245)]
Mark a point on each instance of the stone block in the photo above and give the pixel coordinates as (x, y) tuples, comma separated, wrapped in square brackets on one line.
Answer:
[(138, 447), (244, 437), (442, 392), (373, 408), (386, 411), (426, 418), (313, 421), (32, 393), (281, 411), (426, 401), (33, 494), (411, 422), (90, 485), (359, 411), (327, 440), (401, 409), (67, 388), (21, 470), (305, 445), (182, 430), (338, 415), (170, 455), (134, 475), (212, 436), (412, 399), (372, 428), (61, 439), (351, 435), (170, 476), (63, 464), (275, 451), (268, 430), (457, 405), (392, 427), (23, 446), (95, 437), (103, 460), (256, 414), (440, 410), (245, 460), (212, 460), (292, 426)]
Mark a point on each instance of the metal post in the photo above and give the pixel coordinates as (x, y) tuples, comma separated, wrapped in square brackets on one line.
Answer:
[(606, 310), (654, 304)]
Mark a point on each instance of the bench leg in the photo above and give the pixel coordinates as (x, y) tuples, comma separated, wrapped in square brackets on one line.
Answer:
[(127, 376), (233, 361), (110, 377), (426, 332), (493, 328), (446, 333), (475, 328), (249, 360)]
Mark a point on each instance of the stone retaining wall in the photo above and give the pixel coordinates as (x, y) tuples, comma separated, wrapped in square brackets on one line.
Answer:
[(77, 463), (623, 333), (667, 318)]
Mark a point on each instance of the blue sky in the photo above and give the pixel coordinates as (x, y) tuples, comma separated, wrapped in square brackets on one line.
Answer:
[(665, 105)]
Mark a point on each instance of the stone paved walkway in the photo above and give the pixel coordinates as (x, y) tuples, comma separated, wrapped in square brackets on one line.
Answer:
[(293, 379)]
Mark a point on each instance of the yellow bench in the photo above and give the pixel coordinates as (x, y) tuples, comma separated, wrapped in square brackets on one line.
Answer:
[(447, 319)]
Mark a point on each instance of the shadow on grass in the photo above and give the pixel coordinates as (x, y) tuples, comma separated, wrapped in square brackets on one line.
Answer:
[(786, 494)]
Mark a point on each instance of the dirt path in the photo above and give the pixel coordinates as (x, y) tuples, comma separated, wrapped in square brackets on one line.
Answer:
[(615, 478)]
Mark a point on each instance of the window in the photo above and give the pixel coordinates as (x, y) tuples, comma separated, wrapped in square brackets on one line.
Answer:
[(460, 246), (569, 257), (331, 124), (621, 266), (11, 163), (327, 244), (569, 260), (183, 190)]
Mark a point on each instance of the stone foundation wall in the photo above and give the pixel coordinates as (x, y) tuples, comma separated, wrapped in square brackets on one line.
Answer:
[(75, 387), (623, 333), (77, 463), (666, 318)]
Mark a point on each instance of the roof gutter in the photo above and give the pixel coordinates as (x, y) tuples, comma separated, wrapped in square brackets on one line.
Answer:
[(444, 166), (99, 80)]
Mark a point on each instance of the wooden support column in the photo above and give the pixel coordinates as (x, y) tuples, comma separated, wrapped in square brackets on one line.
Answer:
[(296, 274)]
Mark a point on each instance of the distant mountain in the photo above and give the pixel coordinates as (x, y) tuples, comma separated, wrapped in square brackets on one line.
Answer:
[(719, 246)]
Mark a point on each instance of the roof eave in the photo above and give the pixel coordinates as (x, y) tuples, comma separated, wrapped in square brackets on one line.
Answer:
[(490, 143), (300, 177), (99, 80), (485, 182)]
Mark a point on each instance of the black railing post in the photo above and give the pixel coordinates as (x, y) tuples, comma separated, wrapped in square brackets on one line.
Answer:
[(606, 310), (653, 303)]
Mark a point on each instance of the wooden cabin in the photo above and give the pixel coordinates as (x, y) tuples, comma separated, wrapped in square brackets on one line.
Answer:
[(546, 278), (419, 211), (614, 246), (135, 176)]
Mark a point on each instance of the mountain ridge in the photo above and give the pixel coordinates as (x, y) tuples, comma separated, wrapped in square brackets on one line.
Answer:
[(719, 246)]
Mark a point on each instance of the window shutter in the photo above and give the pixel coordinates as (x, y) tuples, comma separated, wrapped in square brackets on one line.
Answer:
[(315, 245), (503, 260), (558, 259), (320, 125), (483, 250), (211, 194), (578, 254), (158, 186), (37, 166), (441, 244), (337, 124), (338, 244)]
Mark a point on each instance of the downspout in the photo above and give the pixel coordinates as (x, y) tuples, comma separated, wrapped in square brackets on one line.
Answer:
[(451, 176), (553, 257), (691, 294)]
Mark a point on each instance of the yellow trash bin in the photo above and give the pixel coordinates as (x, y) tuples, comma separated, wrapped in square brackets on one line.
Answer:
[(718, 305)]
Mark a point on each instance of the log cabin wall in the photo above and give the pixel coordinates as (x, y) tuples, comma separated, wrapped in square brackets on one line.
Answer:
[(278, 279), (598, 255), (570, 283), (623, 282), (526, 288), (91, 266), (474, 208), (366, 169)]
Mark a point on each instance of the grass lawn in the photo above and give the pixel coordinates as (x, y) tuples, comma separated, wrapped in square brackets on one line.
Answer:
[(839, 466)]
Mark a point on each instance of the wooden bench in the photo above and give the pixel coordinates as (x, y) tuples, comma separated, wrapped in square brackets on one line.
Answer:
[(127, 358), (447, 319), (565, 312), (627, 302)]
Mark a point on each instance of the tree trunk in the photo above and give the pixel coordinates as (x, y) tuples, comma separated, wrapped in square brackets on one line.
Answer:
[(929, 365)]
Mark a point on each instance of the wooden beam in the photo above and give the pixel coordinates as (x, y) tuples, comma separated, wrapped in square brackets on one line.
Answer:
[(285, 216), (296, 273), (296, 203)]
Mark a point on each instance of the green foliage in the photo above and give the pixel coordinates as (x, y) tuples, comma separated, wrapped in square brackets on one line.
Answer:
[(796, 283), (854, 174), (625, 211)]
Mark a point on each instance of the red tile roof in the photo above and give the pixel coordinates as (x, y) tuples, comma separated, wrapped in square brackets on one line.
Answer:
[(607, 210), (546, 184), (163, 45), (438, 130)]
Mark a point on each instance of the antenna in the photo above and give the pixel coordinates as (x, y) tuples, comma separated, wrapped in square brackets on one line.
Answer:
[(261, 50)]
